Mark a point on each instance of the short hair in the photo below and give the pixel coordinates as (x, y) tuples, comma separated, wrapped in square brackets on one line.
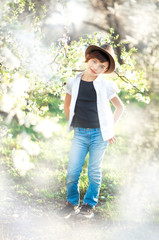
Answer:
[(102, 57)]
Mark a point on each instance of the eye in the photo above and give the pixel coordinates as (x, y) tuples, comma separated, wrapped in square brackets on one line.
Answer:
[(102, 67), (94, 61)]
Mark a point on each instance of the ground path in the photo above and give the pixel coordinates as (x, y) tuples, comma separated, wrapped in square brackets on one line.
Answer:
[(30, 221)]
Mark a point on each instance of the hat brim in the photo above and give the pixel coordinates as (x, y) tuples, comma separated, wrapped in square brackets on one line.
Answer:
[(111, 59)]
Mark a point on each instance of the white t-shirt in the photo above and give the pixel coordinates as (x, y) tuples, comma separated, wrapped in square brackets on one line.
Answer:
[(105, 91)]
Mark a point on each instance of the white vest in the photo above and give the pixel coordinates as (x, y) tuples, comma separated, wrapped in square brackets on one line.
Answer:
[(105, 91)]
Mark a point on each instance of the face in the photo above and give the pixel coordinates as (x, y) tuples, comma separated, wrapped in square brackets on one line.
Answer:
[(95, 67)]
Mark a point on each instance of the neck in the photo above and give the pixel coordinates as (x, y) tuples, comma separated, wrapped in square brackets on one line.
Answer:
[(87, 77)]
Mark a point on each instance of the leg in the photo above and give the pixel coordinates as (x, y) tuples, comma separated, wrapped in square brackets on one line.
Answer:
[(78, 153), (96, 153)]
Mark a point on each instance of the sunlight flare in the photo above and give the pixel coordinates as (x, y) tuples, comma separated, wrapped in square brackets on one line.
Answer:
[(21, 161), (47, 127), (25, 141)]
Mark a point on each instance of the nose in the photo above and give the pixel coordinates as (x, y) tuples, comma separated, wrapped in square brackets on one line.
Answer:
[(95, 67)]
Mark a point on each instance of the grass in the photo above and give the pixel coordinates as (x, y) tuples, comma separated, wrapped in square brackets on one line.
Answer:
[(47, 180)]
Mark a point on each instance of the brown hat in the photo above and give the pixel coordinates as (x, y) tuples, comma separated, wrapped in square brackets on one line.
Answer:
[(108, 50)]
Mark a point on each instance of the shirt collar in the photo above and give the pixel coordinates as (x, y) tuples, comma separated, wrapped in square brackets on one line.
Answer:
[(100, 76)]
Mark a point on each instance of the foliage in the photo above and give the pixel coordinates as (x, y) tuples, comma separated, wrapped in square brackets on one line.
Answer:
[(67, 61), (30, 99), (46, 181), (31, 109), (15, 10), (26, 98)]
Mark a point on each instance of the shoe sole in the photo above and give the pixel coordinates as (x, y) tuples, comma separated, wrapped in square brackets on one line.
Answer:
[(82, 216), (72, 214)]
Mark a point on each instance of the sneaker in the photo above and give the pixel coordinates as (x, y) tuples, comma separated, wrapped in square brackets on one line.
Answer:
[(86, 211), (69, 211)]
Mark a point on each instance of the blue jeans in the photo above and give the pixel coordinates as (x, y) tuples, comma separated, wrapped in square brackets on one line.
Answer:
[(84, 141)]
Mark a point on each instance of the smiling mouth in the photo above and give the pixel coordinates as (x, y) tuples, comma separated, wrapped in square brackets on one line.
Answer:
[(92, 71)]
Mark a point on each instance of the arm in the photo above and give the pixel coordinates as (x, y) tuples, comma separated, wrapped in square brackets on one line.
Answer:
[(119, 108), (67, 105)]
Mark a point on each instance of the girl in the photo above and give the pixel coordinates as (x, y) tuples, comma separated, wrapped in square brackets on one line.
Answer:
[(87, 109)]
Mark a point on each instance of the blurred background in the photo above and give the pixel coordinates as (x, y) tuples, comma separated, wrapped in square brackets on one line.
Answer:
[(42, 44)]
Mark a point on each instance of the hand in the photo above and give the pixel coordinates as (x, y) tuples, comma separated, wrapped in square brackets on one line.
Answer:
[(112, 140)]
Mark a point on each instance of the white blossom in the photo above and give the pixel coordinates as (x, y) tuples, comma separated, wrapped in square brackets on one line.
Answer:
[(47, 127), (21, 161)]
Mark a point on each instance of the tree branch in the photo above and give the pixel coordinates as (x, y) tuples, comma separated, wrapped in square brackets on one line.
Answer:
[(96, 25), (125, 79), (75, 70)]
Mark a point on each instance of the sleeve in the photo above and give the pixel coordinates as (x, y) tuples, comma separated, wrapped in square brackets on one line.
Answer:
[(69, 86), (112, 90)]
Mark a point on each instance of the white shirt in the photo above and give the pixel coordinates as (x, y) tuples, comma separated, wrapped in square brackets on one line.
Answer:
[(105, 91)]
